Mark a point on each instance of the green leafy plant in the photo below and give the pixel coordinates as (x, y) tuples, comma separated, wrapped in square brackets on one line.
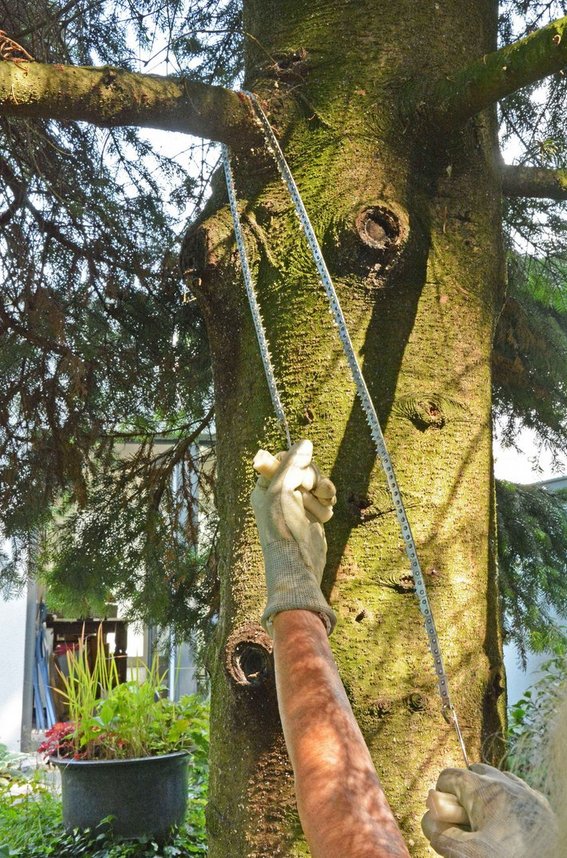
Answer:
[(31, 823), (17, 780), (28, 809), (9, 768), (113, 720), (530, 721), (32, 827)]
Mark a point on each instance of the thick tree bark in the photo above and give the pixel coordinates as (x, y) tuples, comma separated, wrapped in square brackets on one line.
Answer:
[(410, 228)]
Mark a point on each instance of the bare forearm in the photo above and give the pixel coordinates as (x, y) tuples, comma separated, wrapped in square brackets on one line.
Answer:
[(342, 806)]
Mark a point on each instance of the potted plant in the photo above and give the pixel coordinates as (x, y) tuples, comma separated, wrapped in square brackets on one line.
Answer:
[(124, 752)]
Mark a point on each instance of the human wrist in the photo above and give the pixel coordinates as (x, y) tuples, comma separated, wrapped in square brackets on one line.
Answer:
[(314, 620), (298, 618), (291, 585)]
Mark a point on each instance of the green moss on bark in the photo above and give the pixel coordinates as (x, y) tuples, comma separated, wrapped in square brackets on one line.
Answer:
[(423, 324)]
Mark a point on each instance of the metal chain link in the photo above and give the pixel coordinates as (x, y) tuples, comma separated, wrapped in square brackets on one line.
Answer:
[(366, 401), (254, 308)]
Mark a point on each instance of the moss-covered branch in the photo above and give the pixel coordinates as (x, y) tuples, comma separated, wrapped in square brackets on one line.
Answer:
[(495, 75), (534, 182), (110, 97)]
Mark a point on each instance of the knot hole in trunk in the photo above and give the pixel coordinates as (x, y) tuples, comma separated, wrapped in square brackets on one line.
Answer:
[(248, 658), (380, 231), (369, 243)]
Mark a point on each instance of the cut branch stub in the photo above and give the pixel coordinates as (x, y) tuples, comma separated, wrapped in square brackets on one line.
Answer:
[(369, 244), (248, 658), (379, 229), (289, 66), (205, 259), (197, 258), (496, 685), (381, 707), (416, 702), (429, 410)]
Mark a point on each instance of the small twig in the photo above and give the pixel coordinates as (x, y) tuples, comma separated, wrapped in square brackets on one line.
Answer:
[(9, 49)]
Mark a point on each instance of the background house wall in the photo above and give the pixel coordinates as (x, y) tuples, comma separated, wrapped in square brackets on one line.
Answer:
[(12, 652)]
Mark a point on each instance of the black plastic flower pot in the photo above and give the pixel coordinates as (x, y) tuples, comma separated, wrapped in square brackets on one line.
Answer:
[(145, 796)]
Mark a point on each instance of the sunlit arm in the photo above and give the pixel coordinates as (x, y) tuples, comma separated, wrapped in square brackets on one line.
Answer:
[(342, 807)]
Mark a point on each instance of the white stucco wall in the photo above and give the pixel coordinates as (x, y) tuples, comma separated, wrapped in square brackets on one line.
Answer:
[(12, 649)]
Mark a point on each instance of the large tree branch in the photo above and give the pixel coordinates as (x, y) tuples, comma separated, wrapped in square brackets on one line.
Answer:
[(487, 80), (110, 97), (520, 181)]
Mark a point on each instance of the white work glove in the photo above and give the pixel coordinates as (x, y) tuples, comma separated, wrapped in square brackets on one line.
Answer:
[(292, 539), (507, 819)]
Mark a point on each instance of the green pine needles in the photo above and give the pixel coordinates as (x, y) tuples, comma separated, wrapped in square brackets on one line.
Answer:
[(532, 559)]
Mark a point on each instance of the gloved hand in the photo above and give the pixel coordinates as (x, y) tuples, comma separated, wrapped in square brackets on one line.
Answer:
[(292, 539), (507, 818)]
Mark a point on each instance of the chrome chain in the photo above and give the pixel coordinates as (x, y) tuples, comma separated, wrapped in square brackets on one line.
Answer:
[(448, 709), (254, 308)]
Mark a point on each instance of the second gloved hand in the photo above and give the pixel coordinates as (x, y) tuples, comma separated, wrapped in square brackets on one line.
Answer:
[(292, 539), (507, 818)]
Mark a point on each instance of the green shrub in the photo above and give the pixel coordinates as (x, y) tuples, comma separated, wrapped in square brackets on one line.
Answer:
[(530, 721), (31, 827), (31, 823)]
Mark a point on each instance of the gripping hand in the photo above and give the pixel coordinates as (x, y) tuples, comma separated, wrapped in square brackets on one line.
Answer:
[(506, 818), (292, 537)]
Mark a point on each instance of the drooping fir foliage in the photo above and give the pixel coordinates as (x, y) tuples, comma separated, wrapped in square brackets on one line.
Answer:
[(530, 357), (100, 345), (100, 348), (530, 353), (531, 341), (532, 552), (145, 536)]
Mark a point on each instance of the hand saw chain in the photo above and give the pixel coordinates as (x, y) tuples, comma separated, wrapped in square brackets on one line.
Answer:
[(448, 710)]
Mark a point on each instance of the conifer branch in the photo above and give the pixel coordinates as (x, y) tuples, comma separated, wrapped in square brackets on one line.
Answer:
[(518, 181), (109, 97), (490, 78)]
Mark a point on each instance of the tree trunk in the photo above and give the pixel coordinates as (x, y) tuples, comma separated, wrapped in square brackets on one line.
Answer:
[(409, 222)]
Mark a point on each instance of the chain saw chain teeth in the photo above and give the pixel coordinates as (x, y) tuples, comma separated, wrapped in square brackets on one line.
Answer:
[(254, 306), (365, 399)]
